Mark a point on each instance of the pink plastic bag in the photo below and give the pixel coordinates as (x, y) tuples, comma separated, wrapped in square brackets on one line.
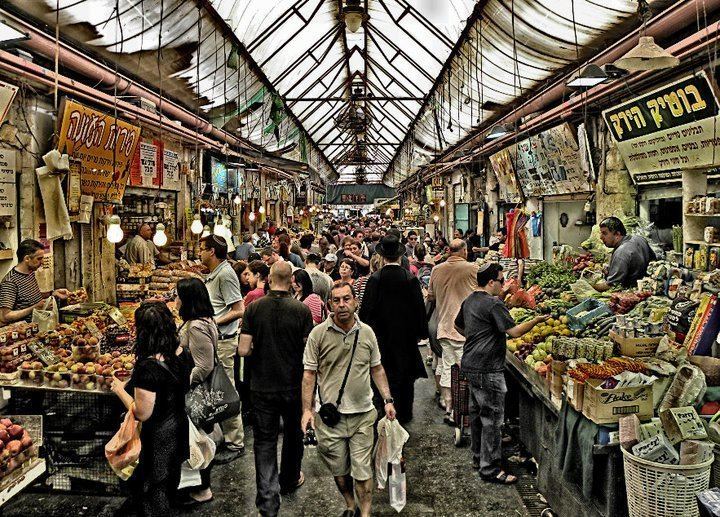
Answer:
[(123, 449)]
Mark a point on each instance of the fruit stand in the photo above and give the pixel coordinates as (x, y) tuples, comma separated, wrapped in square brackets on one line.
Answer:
[(20, 464), (606, 366)]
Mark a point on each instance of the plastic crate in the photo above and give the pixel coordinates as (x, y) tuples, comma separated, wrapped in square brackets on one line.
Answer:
[(592, 308)]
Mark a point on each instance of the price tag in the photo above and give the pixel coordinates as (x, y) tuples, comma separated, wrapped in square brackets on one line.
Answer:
[(117, 316), (43, 353), (93, 329)]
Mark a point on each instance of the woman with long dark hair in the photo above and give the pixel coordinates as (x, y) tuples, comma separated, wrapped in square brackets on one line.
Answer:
[(159, 382), (257, 274), (303, 287), (199, 335), (240, 268)]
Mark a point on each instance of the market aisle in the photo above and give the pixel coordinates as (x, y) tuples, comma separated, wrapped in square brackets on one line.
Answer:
[(440, 482)]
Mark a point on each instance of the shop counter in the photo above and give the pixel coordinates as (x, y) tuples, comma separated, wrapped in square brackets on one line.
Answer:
[(565, 445)]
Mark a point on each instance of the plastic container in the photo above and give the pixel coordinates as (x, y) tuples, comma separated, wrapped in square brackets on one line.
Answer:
[(590, 309), (30, 376), (55, 379)]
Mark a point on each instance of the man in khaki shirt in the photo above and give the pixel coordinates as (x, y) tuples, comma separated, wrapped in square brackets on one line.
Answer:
[(345, 448), (450, 283)]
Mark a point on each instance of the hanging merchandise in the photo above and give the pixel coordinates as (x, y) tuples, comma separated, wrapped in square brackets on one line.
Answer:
[(57, 219), (516, 245), (536, 224)]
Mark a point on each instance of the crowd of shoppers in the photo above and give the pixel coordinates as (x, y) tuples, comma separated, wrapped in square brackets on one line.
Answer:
[(336, 317)]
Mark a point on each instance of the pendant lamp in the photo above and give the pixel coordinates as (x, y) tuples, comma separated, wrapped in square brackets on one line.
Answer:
[(647, 55)]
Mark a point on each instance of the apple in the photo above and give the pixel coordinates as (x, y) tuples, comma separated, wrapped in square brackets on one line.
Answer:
[(6, 422), (90, 386), (4, 436), (14, 446), (62, 384), (15, 431)]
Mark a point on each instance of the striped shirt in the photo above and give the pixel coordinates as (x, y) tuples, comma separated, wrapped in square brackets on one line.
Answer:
[(19, 291), (315, 304)]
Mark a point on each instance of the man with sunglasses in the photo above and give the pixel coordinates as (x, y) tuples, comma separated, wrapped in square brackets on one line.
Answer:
[(485, 322), (224, 289), (412, 240)]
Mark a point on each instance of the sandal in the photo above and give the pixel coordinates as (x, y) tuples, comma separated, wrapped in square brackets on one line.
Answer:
[(502, 478)]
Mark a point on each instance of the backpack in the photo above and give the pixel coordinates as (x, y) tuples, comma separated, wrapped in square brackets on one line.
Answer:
[(423, 275)]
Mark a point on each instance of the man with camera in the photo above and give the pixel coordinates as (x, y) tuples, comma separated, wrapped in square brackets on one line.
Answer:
[(341, 355)]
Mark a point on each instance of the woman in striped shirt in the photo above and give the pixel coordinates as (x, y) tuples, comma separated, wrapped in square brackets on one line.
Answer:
[(302, 285)]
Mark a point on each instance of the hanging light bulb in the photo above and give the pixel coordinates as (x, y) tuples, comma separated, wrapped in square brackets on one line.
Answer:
[(114, 231), (251, 216), (443, 203), (302, 212), (205, 231), (436, 218), (160, 239), (237, 199), (219, 228), (196, 227), (261, 209)]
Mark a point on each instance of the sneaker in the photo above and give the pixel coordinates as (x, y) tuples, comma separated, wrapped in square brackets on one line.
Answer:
[(225, 455)]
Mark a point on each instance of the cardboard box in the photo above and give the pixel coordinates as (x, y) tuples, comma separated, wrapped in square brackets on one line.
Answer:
[(657, 449), (607, 406), (683, 423), (574, 391), (636, 347)]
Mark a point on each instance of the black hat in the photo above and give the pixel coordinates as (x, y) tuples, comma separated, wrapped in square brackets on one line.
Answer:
[(390, 247)]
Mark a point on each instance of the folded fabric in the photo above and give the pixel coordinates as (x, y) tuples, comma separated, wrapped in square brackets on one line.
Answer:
[(57, 219)]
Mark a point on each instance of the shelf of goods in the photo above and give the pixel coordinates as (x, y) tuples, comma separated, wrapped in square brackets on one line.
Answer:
[(603, 362), (20, 465), (140, 281)]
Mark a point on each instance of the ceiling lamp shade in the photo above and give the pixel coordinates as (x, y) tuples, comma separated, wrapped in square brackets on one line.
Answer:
[(647, 55), (590, 76), (9, 35), (205, 231), (499, 131), (354, 15)]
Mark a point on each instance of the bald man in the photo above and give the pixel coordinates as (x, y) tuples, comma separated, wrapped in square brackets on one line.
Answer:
[(274, 330), (450, 283)]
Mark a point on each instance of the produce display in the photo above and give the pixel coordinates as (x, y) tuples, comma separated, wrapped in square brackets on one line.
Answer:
[(85, 354), (16, 447), (555, 277)]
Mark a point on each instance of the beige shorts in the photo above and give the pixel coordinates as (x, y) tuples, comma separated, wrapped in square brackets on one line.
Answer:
[(347, 447), (451, 354)]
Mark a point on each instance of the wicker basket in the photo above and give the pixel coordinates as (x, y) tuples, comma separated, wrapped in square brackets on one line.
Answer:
[(658, 490), (710, 366)]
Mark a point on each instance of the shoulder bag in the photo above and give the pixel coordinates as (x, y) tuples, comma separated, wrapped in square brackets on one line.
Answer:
[(328, 411)]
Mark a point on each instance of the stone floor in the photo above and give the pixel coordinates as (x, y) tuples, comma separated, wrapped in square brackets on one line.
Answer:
[(440, 481)]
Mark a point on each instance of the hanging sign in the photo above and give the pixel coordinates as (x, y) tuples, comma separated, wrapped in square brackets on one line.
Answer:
[(219, 174), (504, 171), (171, 170), (103, 144), (73, 187), (7, 94), (671, 128), (8, 188)]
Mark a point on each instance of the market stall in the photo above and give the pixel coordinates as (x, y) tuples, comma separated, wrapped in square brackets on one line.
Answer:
[(608, 364)]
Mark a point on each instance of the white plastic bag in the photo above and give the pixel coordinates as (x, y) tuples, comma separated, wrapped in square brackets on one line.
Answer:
[(202, 448), (388, 449), (48, 317), (397, 486), (189, 477)]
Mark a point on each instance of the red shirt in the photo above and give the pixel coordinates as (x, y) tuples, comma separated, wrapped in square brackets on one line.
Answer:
[(253, 295)]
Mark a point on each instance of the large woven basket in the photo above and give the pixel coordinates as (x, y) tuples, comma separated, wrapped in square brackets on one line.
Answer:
[(715, 475), (658, 490)]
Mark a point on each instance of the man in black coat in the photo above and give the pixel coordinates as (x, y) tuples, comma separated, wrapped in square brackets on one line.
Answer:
[(393, 306)]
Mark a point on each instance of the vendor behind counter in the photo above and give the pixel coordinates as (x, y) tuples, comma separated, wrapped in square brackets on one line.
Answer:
[(630, 258), (19, 290)]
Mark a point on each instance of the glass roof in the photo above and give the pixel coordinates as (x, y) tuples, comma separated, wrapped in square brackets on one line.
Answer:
[(372, 105)]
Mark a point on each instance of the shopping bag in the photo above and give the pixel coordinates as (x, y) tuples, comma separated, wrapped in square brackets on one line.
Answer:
[(214, 400), (202, 448), (123, 449), (397, 486), (188, 477), (388, 448), (48, 317)]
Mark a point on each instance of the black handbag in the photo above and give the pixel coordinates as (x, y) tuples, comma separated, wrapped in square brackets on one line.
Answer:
[(329, 413), (213, 400)]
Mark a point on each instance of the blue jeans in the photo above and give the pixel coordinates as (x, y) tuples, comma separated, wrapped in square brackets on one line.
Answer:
[(487, 414)]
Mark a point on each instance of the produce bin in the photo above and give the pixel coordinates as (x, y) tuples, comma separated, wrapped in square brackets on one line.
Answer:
[(583, 313), (659, 490)]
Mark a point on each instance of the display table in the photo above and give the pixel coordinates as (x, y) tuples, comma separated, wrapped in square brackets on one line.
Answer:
[(76, 426), (547, 430)]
